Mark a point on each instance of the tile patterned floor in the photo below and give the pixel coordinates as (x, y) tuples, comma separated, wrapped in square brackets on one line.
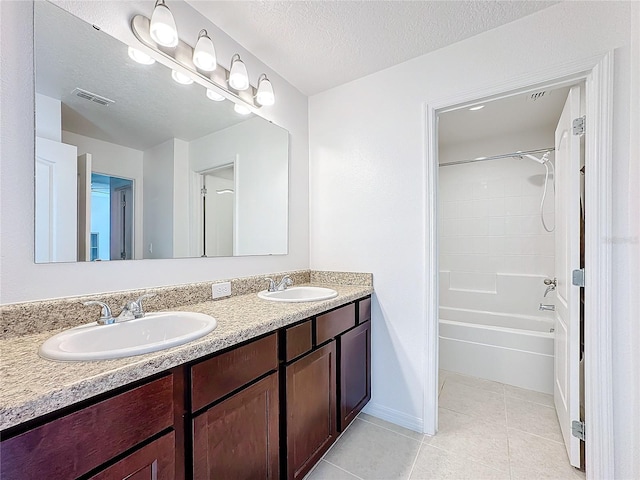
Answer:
[(487, 431)]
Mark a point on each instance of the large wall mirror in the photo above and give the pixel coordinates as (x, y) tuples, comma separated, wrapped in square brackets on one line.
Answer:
[(131, 164)]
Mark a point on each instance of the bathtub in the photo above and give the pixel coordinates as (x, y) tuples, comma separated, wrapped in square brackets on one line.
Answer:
[(509, 348)]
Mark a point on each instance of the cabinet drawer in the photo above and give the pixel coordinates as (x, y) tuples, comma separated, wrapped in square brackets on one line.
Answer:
[(155, 461), (81, 441), (334, 323), (298, 340), (364, 310), (221, 375)]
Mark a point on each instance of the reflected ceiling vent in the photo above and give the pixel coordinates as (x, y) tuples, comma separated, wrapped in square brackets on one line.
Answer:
[(534, 96), (93, 97)]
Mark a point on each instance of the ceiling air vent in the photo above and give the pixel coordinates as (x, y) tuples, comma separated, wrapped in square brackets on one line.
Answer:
[(93, 97), (534, 96)]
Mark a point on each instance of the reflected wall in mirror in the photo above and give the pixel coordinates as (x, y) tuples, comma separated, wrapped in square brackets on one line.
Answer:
[(130, 164)]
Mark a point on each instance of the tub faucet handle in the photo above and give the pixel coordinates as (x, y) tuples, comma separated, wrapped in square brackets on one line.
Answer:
[(548, 281)]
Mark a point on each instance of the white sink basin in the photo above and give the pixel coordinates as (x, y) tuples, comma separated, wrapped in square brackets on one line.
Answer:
[(299, 294), (153, 332)]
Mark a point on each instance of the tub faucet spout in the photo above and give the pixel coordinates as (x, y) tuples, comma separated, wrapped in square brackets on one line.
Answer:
[(550, 308)]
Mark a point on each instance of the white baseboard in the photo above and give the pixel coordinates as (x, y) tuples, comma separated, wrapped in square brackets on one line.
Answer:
[(394, 416)]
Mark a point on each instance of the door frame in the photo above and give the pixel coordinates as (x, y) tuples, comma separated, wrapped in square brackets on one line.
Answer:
[(597, 73)]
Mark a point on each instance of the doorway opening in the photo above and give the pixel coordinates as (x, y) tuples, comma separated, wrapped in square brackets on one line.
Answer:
[(597, 74), (111, 232), (509, 238)]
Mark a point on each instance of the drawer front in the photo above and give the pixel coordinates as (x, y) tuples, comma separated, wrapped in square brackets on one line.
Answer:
[(364, 310), (221, 375), (298, 340), (81, 441), (334, 323)]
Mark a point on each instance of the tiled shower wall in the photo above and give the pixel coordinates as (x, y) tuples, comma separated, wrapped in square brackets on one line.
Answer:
[(490, 222)]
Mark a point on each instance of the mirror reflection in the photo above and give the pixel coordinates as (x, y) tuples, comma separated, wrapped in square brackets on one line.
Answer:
[(131, 164)]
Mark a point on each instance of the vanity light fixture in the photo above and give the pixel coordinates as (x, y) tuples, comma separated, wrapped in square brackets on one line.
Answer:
[(223, 191), (265, 94), (204, 54), (241, 109), (181, 78), (477, 107), (199, 64), (238, 77), (213, 95), (163, 28), (140, 57)]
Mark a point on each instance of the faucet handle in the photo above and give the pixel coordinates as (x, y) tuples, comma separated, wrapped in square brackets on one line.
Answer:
[(136, 306), (106, 318), (548, 281), (272, 284)]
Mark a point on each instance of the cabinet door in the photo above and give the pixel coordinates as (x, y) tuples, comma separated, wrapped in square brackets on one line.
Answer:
[(155, 461), (239, 437), (354, 355), (311, 409)]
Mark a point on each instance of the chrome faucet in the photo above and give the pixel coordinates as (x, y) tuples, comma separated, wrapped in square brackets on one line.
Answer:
[(130, 311), (551, 285), (282, 285), (550, 308)]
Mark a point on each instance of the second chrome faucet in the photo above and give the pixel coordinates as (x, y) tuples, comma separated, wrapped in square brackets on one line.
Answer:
[(130, 311)]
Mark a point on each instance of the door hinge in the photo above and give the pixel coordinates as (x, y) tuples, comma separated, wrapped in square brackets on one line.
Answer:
[(577, 278), (579, 125), (577, 429)]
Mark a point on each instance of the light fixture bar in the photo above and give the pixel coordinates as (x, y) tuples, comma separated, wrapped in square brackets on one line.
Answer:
[(182, 56)]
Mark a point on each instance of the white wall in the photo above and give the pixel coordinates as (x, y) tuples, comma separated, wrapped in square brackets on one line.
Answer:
[(368, 189), (158, 200), (115, 160), (261, 204), (48, 118), (181, 179), (21, 279)]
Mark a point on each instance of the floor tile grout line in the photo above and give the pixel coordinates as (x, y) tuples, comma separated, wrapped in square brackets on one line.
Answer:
[(468, 457), (477, 419), (415, 460), (343, 469), (535, 435), (506, 422), (390, 430)]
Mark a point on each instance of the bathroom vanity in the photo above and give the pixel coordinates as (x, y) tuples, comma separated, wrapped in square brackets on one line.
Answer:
[(268, 406)]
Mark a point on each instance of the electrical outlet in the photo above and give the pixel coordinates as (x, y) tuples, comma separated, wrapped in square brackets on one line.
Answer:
[(220, 290)]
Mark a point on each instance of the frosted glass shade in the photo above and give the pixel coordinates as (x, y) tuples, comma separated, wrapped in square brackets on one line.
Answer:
[(163, 27), (181, 77), (238, 77), (241, 109), (265, 95), (204, 55), (213, 95), (140, 57)]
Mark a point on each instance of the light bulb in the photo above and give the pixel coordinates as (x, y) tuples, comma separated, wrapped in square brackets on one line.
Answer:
[(181, 77), (238, 78), (265, 95), (204, 55), (163, 27), (140, 57), (241, 109), (215, 96)]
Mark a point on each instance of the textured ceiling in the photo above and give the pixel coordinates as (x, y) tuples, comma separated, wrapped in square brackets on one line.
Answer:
[(317, 45)]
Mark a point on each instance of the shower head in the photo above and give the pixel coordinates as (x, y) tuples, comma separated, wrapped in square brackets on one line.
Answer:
[(543, 160)]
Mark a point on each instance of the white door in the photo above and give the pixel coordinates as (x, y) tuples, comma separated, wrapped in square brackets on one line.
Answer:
[(567, 258), (56, 201), (84, 207)]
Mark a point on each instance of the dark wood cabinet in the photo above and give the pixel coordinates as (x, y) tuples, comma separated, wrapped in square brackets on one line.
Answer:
[(154, 461), (79, 442), (311, 409), (354, 358), (221, 417), (239, 437)]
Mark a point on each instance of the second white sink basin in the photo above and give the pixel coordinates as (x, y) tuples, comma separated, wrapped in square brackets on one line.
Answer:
[(153, 332), (299, 294)]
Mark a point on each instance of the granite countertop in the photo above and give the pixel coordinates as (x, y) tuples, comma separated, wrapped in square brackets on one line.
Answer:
[(32, 386)]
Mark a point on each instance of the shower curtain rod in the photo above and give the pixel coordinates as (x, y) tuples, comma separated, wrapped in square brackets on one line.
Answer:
[(496, 157)]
